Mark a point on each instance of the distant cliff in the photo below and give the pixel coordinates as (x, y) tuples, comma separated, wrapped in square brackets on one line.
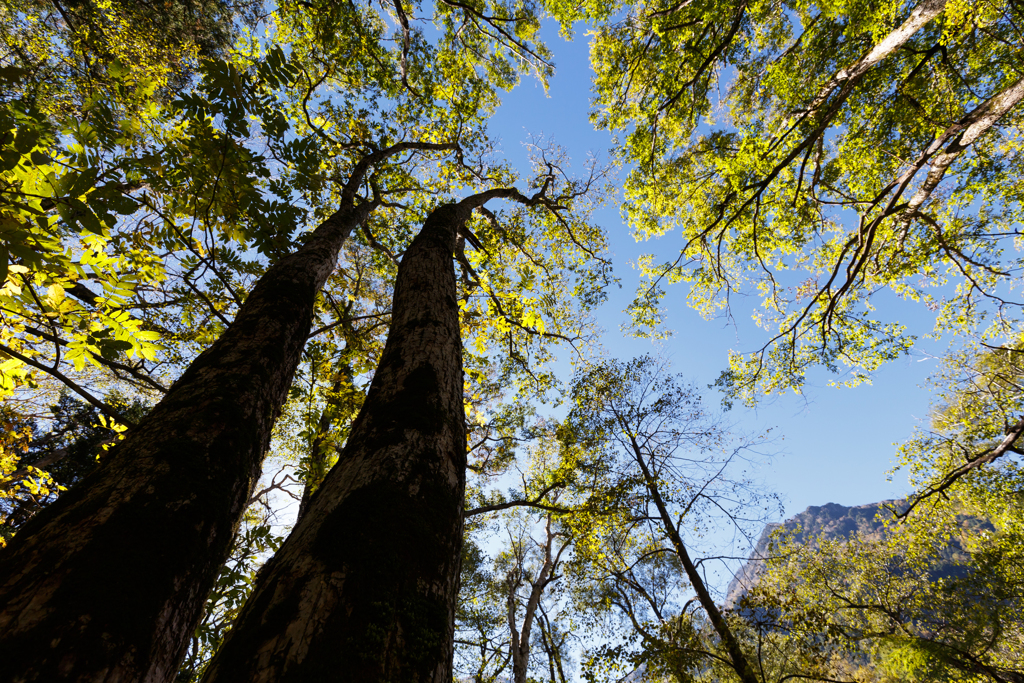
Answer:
[(831, 521)]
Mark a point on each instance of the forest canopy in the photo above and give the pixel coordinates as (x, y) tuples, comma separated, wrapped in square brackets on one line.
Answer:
[(304, 378)]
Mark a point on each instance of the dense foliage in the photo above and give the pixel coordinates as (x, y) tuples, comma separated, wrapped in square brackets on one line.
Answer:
[(814, 155)]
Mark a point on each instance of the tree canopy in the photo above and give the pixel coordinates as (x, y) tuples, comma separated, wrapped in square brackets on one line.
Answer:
[(271, 296), (813, 155)]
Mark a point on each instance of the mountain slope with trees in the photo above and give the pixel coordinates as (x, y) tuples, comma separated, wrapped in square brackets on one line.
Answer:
[(829, 522)]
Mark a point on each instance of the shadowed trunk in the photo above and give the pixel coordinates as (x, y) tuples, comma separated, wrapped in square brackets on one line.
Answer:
[(364, 589), (108, 583)]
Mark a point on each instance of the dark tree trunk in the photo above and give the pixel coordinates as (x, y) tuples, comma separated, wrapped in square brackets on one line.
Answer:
[(108, 583), (364, 589)]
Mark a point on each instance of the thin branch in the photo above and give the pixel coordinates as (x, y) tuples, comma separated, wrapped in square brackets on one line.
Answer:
[(1004, 446), (535, 503), (104, 408)]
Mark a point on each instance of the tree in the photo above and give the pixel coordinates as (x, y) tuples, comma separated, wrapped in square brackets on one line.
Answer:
[(538, 580), (78, 438), (386, 534), (859, 148), (976, 427), (369, 574), (934, 594), (660, 464), (481, 652), (512, 610), (933, 599), (507, 619), (69, 50), (864, 148), (189, 467)]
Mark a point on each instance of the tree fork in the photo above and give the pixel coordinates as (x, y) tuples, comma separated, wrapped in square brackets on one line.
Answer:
[(108, 583), (364, 589)]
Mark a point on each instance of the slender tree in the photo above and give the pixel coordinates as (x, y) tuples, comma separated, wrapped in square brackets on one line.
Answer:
[(538, 581), (665, 466)]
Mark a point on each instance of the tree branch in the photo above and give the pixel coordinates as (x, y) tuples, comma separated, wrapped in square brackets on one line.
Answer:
[(104, 408), (974, 463), (535, 503)]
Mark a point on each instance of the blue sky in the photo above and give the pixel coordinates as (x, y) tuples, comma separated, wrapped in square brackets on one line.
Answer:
[(835, 445)]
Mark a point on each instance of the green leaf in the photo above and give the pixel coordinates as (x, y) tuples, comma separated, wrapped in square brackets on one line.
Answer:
[(116, 69), (84, 182), (10, 159), (26, 140), (123, 205)]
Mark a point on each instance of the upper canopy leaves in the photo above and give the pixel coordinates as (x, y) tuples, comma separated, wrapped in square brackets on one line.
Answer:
[(814, 154)]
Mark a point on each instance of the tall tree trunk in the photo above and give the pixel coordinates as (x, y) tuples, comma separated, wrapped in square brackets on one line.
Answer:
[(108, 583), (364, 589)]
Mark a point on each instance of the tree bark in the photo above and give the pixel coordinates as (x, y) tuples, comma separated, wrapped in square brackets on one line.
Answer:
[(108, 583), (957, 139), (364, 589)]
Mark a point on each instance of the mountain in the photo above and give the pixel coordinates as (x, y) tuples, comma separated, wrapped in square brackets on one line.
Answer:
[(831, 521)]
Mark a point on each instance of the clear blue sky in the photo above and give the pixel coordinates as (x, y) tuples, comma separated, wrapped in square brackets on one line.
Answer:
[(835, 445)]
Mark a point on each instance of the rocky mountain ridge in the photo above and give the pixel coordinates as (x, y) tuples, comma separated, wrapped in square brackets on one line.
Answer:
[(831, 520)]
